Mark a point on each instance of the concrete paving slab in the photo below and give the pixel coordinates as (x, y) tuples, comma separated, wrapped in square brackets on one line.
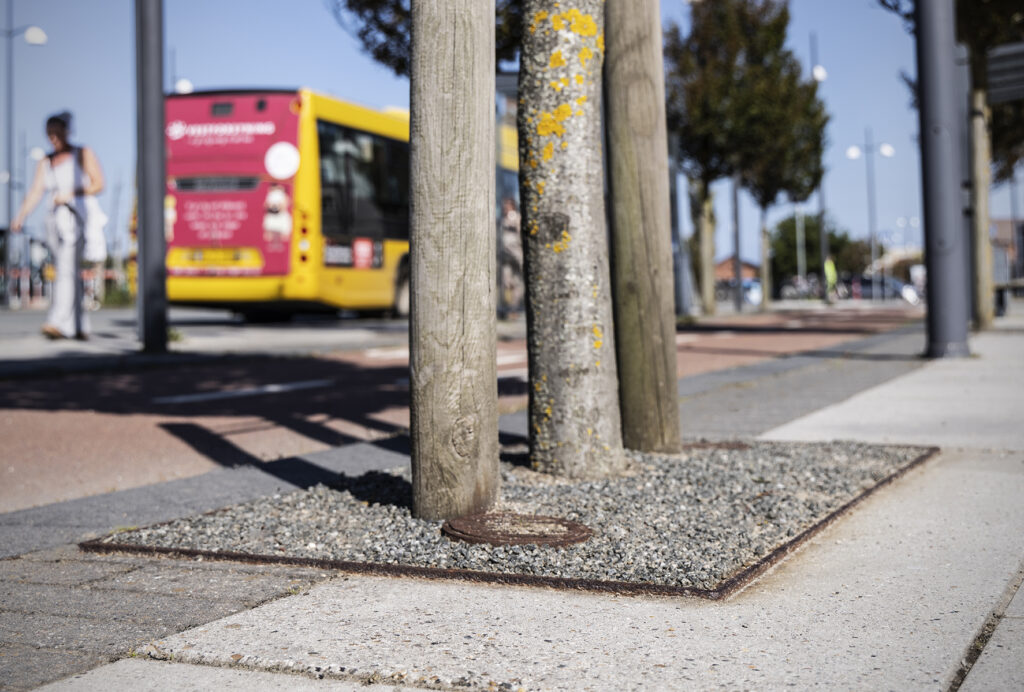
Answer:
[(141, 675), (24, 667), (955, 402), (891, 596), (157, 609), (56, 572), (71, 633), (999, 666), (60, 523)]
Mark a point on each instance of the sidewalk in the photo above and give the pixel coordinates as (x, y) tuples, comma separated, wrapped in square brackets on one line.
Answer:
[(894, 595)]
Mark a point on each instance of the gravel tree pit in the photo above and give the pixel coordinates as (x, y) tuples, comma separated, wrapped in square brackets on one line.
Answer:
[(703, 522)]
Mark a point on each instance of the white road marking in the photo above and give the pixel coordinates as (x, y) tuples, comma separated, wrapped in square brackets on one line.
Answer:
[(239, 393), (393, 353)]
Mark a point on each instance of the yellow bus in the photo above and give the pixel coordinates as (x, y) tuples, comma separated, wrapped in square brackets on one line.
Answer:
[(285, 201)]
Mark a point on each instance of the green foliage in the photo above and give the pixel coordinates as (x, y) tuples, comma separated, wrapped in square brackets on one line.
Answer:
[(851, 256), (117, 297), (982, 25), (383, 27)]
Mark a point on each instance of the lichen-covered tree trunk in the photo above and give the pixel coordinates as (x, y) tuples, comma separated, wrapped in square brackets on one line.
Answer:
[(454, 403), (981, 178), (645, 322), (574, 399), (766, 263)]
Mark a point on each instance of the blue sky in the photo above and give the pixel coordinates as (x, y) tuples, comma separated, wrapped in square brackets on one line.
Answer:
[(88, 66)]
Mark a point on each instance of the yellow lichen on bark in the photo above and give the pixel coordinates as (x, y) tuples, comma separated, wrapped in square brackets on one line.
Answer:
[(557, 60), (582, 24), (550, 125)]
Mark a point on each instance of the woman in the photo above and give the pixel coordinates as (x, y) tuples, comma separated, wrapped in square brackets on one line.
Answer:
[(69, 174)]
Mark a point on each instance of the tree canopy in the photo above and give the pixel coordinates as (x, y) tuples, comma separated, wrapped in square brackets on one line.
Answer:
[(383, 28), (852, 256), (738, 104), (982, 25)]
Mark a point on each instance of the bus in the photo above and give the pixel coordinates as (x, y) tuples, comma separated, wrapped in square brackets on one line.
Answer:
[(286, 201)]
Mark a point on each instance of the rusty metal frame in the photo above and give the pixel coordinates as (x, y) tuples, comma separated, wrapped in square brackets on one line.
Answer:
[(725, 588)]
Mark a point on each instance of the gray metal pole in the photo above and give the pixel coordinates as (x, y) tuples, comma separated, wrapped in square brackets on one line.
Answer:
[(801, 250), (948, 292), (151, 182), (822, 232), (869, 159), (1014, 220), (680, 256), (737, 264), (5, 300)]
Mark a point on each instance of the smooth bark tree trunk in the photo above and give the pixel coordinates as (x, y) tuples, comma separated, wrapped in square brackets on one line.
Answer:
[(981, 180), (702, 209), (452, 330), (574, 402), (766, 263), (645, 322)]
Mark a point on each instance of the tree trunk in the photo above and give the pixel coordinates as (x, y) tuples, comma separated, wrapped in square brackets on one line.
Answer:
[(981, 178), (454, 406), (766, 262), (574, 404), (702, 208), (645, 323)]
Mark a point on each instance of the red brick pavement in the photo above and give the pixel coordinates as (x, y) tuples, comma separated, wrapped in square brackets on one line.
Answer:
[(92, 433)]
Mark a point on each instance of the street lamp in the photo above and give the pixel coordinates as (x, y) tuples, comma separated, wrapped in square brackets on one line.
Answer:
[(854, 152), (34, 36), (819, 73)]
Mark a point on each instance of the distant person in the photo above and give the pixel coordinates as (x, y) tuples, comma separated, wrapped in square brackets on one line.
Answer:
[(513, 285), (69, 174), (831, 280)]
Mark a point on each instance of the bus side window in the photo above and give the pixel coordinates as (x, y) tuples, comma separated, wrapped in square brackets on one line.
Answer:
[(334, 189), (395, 201)]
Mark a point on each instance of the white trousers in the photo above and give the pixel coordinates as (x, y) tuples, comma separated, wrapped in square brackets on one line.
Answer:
[(67, 312)]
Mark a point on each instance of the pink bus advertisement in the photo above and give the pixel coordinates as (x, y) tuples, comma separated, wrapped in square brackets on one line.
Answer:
[(231, 164)]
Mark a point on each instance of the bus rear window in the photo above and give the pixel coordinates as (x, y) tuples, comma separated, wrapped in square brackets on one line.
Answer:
[(222, 109), (216, 183)]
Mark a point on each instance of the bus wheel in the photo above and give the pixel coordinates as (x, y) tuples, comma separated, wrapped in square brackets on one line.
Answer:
[(401, 308)]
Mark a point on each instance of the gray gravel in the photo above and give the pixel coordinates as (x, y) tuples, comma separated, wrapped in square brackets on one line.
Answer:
[(691, 520)]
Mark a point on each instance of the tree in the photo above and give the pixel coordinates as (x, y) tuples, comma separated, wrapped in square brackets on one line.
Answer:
[(781, 135), (383, 28), (851, 256), (453, 379), (982, 25), (574, 405), (714, 79), (700, 84), (641, 230)]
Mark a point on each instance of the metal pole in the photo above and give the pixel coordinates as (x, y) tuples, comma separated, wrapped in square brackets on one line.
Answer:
[(737, 264), (801, 251), (151, 182), (9, 37), (680, 256), (940, 168), (869, 159), (1014, 233), (822, 232)]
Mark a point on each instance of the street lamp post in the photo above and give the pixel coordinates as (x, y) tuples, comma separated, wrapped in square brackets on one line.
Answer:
[(819, 74), (34, 36), (854, 152)]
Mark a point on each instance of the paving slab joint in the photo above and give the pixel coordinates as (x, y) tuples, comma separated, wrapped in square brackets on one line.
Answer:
[(988, 628)]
